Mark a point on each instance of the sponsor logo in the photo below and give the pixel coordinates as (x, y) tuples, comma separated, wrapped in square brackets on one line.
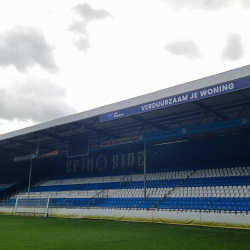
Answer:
[(184, 130), (101, 162), (110, 115), (24, 157), (244, 120), (120, 141)]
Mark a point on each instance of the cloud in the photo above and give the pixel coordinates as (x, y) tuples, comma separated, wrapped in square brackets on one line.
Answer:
[(35, 100), (186, 48), (87, 14), (78, 27), (25, 47), (206, 4), (82, 43), (233, 49), (245, 3)]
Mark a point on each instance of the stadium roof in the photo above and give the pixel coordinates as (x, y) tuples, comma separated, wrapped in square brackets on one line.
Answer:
[(54, 134)]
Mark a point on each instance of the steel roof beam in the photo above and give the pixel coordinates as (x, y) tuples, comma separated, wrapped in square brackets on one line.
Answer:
[(202, 105), (99, 131), (29, 144), (134, 127), (147, 122), (8, 150), (52, 136), (160, 119)]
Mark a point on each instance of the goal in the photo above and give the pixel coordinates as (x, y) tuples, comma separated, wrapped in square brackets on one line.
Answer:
[(32, 205)]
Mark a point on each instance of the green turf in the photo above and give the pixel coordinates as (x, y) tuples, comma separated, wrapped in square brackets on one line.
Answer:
[(54, 233)]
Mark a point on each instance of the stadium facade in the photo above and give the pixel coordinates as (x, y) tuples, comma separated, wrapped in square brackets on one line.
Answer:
[(179, 155)]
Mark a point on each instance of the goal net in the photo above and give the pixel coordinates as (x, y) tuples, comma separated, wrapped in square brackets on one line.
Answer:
[(36, 205)]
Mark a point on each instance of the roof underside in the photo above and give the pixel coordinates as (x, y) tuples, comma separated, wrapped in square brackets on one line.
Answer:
[(219, 108)]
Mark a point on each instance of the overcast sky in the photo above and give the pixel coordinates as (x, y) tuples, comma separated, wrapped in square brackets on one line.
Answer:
[(62, 57)]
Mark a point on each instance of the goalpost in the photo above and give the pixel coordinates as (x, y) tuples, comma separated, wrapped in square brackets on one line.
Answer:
[(36, 205)]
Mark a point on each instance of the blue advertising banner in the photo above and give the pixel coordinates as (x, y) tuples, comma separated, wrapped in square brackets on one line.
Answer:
[(179, 99), (197, 129)]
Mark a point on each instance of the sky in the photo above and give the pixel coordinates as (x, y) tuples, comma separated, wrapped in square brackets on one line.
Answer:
[(62, 57)]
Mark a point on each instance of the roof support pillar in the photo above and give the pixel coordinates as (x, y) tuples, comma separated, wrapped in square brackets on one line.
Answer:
[(145, 166), (30, 176), (192, 151), (37, 147)]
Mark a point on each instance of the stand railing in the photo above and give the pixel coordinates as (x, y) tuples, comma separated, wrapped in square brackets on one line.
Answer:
[(125, 180), (95, 200)]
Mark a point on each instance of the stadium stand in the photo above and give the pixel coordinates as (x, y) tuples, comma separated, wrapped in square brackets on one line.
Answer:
[(196, 156), (223, 187)]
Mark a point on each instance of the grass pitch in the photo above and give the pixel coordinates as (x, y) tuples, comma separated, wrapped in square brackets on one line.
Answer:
[(54, 233)]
